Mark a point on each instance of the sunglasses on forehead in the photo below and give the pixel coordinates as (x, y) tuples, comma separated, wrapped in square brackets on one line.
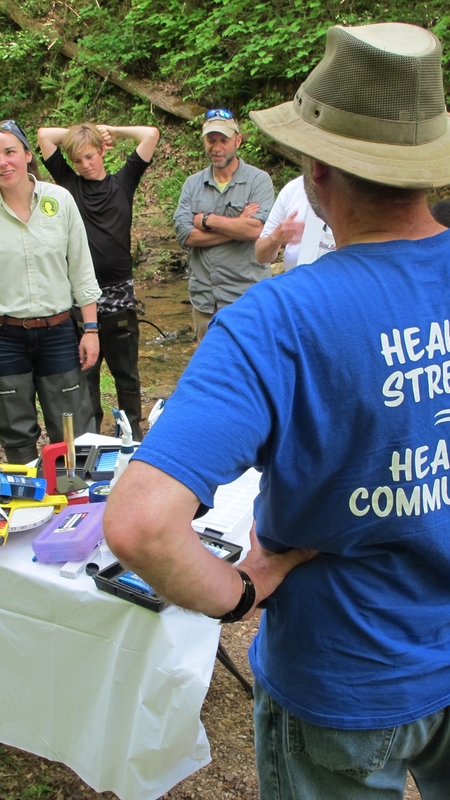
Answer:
[(223, 113), (11, 126)]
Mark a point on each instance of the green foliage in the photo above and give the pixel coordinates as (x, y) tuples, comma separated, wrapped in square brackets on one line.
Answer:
[(168, 189), (243, 54), (38, 790), (231, 51), (107, 390), (225, 50), (20, 61)]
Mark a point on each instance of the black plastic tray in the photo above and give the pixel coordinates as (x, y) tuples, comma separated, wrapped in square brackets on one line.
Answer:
[(107, 579), (231, 552), (87, 461), (94, 459)]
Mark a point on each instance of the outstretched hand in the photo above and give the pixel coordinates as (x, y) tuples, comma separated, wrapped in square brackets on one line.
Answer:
[(290, 230), (267, 569)]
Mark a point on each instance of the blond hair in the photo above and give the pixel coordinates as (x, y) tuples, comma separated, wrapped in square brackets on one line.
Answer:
[(80, 135)]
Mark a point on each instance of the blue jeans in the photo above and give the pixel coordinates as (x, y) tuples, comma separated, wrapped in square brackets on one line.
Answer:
[(43, 351), (300, 761)]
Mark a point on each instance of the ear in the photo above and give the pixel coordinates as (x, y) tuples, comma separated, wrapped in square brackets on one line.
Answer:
[(28, 155), (238, 140), (319, 171)]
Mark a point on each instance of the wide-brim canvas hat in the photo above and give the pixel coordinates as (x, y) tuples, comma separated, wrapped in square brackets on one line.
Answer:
[(373, 107)]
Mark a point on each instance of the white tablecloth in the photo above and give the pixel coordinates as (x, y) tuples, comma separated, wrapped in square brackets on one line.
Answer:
[(111, 689)]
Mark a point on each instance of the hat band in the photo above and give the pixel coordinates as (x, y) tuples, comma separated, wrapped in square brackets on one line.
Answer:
[(371, 129)]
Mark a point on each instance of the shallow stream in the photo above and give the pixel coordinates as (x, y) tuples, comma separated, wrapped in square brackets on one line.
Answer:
[(164, 350)]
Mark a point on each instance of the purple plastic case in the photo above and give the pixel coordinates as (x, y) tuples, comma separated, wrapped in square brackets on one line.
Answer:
[(71, 535)]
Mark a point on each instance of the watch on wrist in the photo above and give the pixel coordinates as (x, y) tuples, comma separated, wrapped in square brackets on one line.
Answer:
[(90, 326), (246, 601), (204, 218)]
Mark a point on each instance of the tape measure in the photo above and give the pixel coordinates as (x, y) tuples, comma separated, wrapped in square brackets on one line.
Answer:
[(24, 519), (98, 492)]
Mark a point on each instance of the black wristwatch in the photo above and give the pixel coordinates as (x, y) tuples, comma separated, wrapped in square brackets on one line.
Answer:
[(246, 601), (204, 218)]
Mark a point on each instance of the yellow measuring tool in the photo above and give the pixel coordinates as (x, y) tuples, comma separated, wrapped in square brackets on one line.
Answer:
[(8, 507)]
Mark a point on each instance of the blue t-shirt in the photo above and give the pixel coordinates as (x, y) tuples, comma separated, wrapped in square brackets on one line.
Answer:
[(334, 379)]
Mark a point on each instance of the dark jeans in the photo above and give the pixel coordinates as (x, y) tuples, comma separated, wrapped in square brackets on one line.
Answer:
[(43, 351), (119, 346), (43, 362)]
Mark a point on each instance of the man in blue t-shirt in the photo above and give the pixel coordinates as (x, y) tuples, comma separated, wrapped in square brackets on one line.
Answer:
[(105, 202), (333, 380)]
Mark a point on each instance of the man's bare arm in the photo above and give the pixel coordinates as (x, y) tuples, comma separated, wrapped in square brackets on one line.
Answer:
[(240, 228), (159, 543), (244, 228), (202, 238)]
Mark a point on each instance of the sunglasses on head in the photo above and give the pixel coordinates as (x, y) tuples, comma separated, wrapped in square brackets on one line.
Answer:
[(11, 126), (219, 112)]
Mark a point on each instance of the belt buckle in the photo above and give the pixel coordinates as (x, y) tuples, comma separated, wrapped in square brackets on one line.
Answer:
[(24, 323)]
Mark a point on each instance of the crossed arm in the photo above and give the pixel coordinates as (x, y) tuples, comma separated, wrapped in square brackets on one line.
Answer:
[(244, 228)]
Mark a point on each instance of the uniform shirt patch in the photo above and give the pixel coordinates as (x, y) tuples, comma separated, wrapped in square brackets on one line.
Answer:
[(49, 206)]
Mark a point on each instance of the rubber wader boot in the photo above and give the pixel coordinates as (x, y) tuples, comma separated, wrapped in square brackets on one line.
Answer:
[(68, 393), (130, 402), (93, 381), (19, 429)]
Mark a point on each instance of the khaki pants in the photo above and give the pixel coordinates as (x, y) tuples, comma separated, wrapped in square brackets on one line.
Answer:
[(201, 322)]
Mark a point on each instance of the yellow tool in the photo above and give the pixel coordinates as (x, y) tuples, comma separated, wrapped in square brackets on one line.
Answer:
[(19, 469), (7, 508)]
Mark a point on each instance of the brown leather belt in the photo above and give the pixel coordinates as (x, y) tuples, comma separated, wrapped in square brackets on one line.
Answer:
[(36, 322)]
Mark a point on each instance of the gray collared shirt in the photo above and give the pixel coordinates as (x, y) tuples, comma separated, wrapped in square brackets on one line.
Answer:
[(221, 273)]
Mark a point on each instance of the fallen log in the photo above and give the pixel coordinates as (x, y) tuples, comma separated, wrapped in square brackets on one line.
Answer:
[(135, 86), (171, 103)]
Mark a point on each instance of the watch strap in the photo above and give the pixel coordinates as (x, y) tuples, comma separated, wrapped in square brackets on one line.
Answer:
[(246, 601), (204, 219)]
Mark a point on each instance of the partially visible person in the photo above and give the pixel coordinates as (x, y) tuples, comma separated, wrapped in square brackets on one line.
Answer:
[(292, 224), (45, 261), (441, 212), (333, 379), (106, 203), (220, 215)]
